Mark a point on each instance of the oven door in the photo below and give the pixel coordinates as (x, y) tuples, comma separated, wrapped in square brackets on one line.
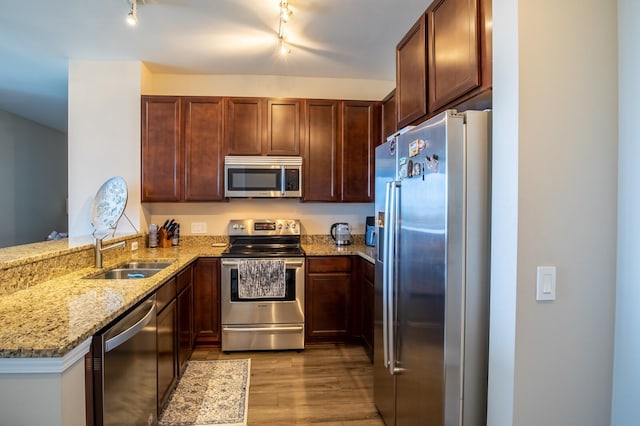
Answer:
[(263, 324), (285, 310)]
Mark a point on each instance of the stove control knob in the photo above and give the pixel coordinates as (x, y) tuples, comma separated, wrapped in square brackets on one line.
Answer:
[(242, 227), (234, 226), (279, 226), (286, 226), (293, 226)]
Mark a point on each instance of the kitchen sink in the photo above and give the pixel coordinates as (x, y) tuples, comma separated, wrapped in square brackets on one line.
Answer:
[(131, 270), (146, 264)]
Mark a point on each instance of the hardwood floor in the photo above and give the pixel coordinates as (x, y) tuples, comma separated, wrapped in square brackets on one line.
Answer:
[(329, 385)]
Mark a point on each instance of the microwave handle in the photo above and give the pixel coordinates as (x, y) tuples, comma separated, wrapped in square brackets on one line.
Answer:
[(282, 180)]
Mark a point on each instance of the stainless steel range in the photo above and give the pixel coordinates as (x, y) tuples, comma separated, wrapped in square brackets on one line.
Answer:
[(263, 286)]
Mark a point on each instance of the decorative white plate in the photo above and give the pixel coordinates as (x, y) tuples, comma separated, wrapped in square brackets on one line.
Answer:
[(109, 204)]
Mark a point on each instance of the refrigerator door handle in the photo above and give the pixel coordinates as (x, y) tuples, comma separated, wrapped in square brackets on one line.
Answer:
[(393, 265), (385, 273)]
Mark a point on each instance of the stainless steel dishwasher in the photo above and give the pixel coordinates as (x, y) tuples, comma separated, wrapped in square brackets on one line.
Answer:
[(125, 369)]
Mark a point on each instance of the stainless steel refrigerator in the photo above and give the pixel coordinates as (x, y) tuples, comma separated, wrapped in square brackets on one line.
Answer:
[(432, 205)]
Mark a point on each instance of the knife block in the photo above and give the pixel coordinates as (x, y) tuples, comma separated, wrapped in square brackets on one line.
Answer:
[(163, 242)]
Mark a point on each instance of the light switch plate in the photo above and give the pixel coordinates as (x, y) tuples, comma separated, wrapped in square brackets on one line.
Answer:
[(546, 283)]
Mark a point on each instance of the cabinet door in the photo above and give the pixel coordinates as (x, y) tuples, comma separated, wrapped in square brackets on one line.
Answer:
[(161, 148), (453, 27), (204, 150), (321, 127), (388, 116), (206, 302), (167, 366), (328, 299), (245, 126), (360, 133), (411, 74), (184, 313), (283, 129), (185, 326), (328, 306)]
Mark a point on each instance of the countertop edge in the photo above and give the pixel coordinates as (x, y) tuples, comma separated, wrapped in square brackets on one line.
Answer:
[(45, 365)]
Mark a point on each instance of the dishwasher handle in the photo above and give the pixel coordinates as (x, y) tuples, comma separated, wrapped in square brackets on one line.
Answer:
[(138, 324)]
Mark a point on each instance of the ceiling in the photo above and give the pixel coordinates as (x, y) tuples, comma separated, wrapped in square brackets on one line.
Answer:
[(328, 38)]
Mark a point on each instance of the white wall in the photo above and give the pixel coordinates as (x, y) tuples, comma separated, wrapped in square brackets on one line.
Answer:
[(104, 137), (626, 374), (566, 136), (268, 86), (33, 180), (504, 230), (60, 397), (315, 218)]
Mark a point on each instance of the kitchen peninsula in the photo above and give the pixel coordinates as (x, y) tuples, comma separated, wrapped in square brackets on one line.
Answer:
[(48, 318)]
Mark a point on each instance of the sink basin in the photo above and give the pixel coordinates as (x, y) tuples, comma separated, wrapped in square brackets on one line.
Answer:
[(147, 264), (132, 270), (125, 273)]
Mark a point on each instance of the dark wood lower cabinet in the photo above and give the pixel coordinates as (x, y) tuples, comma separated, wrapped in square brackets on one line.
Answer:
[(185, 323), (167, 365), (207, 302), (328, 299)]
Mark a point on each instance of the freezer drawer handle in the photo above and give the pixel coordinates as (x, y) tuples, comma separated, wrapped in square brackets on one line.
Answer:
[(283, 329)]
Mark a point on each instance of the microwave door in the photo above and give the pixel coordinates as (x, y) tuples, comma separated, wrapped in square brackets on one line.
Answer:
[(252, 182)]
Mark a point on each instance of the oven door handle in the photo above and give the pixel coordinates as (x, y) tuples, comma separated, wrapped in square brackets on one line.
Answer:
[(292, 264), (263, 329)]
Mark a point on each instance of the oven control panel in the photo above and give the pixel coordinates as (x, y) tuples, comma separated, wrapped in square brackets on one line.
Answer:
[(264, 227)]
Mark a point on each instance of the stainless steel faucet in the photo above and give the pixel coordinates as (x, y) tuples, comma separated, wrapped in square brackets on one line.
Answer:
[(99, 249)]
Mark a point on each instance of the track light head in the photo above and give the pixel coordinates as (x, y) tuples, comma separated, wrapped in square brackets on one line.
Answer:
[(132, 16)]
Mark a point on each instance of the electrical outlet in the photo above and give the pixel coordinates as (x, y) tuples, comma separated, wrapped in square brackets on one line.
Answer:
[(134, 246), (198, 228)]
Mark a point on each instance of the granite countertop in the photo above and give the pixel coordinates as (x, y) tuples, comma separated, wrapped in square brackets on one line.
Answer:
[(53, 317), (330, 249)]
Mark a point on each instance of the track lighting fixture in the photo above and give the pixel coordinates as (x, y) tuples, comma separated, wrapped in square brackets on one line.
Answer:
[(285, 13), (132, 16)]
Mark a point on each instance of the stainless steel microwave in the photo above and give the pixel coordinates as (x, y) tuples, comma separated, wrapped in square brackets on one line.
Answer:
[(262, 177)]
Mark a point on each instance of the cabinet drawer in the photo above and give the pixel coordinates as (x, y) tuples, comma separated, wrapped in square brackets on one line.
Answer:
[(185, 278), (328, 264), (165, 294), (368, 270)]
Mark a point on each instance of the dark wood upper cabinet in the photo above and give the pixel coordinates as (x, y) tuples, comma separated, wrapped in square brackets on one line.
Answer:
[(320, 168), (388, 116), (245, 126), (161, 148), (411, 74), (185, 139), (204, 149), (283, 126), (360, 134), (454, 50)]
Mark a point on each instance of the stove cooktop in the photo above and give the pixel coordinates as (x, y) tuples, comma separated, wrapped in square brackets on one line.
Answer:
[(258, 238)]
